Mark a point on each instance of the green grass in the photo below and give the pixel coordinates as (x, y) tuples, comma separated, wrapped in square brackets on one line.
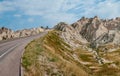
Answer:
[(85, 57), (30, 56), (53, 59)]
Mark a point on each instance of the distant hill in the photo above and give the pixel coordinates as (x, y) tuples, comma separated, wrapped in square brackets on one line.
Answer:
[(6, 33)]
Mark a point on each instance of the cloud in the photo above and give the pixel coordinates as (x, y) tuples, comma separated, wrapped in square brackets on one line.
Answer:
[(38, 7), (30, 20), (104, 9), (6, 6), (69, 11), (60, 17), (47, 9), (17, 15)]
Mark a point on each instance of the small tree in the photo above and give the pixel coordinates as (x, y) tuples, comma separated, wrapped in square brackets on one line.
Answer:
[(47, 27), (42, 27)]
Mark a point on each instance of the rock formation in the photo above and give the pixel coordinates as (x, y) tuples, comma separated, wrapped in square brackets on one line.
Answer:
[(88, 47), (70, 34), (6, 33), (95, 31), (93, 34)]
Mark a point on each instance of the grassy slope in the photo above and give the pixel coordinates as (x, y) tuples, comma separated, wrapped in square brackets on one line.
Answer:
[(51, 56)]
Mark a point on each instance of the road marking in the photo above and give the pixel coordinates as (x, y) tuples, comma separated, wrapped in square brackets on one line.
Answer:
[(8, 51)]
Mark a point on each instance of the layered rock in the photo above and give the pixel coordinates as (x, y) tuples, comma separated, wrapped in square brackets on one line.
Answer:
[(95, 30), (96, 33), (70, 35), (29, 32), (6, 33)]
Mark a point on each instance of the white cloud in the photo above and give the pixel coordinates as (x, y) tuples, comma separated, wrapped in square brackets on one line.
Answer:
[(17, 15), (39, 7), (104, 9), (30, 20), (59, 10), (60, 17), (6, 6)]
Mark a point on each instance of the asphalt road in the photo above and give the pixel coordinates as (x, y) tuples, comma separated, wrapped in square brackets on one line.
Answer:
[(10, 54)]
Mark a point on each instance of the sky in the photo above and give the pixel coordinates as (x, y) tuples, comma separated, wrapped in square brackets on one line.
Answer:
[(24, 14)]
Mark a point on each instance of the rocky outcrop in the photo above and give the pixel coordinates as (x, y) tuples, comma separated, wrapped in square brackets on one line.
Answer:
[(70, 35), (95, 31), (91, 44), (6, 33), (93, 34), (29, 32), (117, 38)]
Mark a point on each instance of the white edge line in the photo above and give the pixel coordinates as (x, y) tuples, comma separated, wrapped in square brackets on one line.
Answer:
[(8, 51)]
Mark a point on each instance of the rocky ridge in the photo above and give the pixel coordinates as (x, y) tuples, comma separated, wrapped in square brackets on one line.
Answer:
[(100, 37), (88, 47), (95, 31), (6, 33)]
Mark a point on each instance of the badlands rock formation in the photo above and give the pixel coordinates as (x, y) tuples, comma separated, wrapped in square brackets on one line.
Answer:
[(88, 47), (6, 33), (95, 31), (70, 35), (93, 34)]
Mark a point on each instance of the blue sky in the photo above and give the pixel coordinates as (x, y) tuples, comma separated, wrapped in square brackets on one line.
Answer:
[(20, 14)]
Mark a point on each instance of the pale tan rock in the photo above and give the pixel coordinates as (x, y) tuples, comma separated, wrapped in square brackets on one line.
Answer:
[(6, 33), (101, 30), (95, 31)]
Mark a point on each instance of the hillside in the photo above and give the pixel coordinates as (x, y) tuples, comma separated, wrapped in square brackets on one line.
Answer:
[(88, 47)]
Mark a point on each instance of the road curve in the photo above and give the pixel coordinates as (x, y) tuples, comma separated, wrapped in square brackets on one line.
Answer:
[(10, 55)]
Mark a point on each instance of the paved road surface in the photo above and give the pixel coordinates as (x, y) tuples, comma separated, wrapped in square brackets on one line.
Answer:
[(10, 55)]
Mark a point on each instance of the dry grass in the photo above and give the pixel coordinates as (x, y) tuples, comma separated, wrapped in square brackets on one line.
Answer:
[(112, 67), (62, 50), (56, 55), (51, 56)]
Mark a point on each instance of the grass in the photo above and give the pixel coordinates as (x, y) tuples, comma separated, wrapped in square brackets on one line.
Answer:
[(53, 59), (53, 39), (108, 71), (85, 57), (52, 56), (54, 52), (30, 58), (62, 50)]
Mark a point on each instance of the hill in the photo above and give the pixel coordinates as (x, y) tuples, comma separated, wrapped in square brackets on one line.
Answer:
[(88, 47)]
